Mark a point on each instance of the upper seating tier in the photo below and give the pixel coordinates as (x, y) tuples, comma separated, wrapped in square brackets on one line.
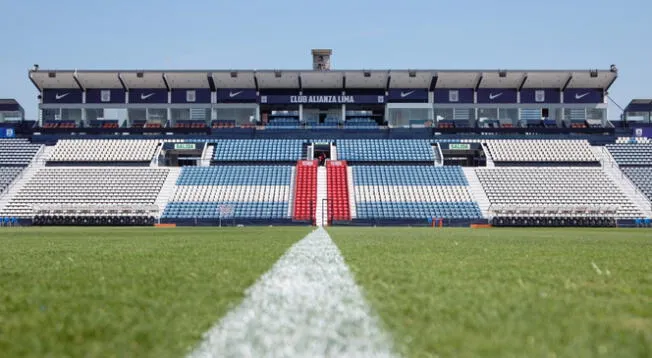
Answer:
[(385, 150), (104, 150), (547, 151), (257, 150)]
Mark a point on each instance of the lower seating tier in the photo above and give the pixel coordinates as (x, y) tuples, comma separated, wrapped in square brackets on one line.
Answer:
[(641, 177), (407, 193), (418, 210), (110, 186), (563, 187), (408, 175), (7, 175), (213, 210)]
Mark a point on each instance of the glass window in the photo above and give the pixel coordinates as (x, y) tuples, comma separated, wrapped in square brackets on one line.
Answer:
[(71, 114), (239, 115), (157, 115), (180, 114), (137, 114), (444, 114), (407, 117)]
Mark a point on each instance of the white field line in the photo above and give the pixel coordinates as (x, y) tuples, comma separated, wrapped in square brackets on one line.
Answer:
[(306, 305)]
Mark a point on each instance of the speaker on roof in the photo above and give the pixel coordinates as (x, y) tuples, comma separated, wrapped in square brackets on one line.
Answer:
[(234, 74), (412, 74), (52, 74), (502, 73), (140, 75), (367, 74), (594, 73)]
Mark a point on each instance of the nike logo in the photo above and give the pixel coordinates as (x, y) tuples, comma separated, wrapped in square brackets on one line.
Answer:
[(233, 94), (580, 96), (145, 96), (60, 96), (405, 94), (494, 96)]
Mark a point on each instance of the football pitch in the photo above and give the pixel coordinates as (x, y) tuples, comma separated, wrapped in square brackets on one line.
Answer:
[(145, 292)]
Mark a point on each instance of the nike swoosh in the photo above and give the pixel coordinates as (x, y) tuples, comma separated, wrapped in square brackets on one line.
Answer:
[(494, 96), (233, 94), (405, 94), (580, 96), (146, 96), (60, 96)]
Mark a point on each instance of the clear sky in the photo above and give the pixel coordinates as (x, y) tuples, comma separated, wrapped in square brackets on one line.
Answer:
[(264, 34)]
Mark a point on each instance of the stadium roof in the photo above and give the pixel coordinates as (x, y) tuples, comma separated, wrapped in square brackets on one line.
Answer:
[(308, 79), (639, 105)]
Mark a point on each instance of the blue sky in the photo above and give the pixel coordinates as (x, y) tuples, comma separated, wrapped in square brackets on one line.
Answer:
[(250, 34)]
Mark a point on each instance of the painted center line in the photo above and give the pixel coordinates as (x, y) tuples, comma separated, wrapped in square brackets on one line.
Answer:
[(306, 305)]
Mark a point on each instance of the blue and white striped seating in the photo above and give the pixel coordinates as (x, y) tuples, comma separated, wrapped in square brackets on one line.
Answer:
[(412, 192), (257, 150), (253, 192), (389, 150)]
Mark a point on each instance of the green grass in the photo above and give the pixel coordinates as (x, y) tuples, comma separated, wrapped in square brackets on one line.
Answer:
[(123, 292), (507, 293)]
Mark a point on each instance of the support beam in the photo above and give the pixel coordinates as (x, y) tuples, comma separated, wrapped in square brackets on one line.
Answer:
[(479, 82), (74, 76), (520, 88), (165, 81), (211, 83), (433, 82), (568, 81), (122, 82)]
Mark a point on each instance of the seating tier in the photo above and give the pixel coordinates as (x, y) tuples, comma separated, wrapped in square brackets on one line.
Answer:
[(236, 175), (88, 186), (251, 192), (305, 194), (567, 187), (641, 177), (634, 154), (17, 152), (387, 150), (7, 175), (548, 151), (104, 150), (408, 175), (257, 150), (412, 192)]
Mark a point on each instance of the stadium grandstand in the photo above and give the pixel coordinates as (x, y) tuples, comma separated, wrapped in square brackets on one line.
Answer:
[(325, 147)]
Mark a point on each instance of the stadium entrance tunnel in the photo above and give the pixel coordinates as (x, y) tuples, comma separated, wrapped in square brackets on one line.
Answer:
[(463, 154), (321, 152), (182, 154)]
